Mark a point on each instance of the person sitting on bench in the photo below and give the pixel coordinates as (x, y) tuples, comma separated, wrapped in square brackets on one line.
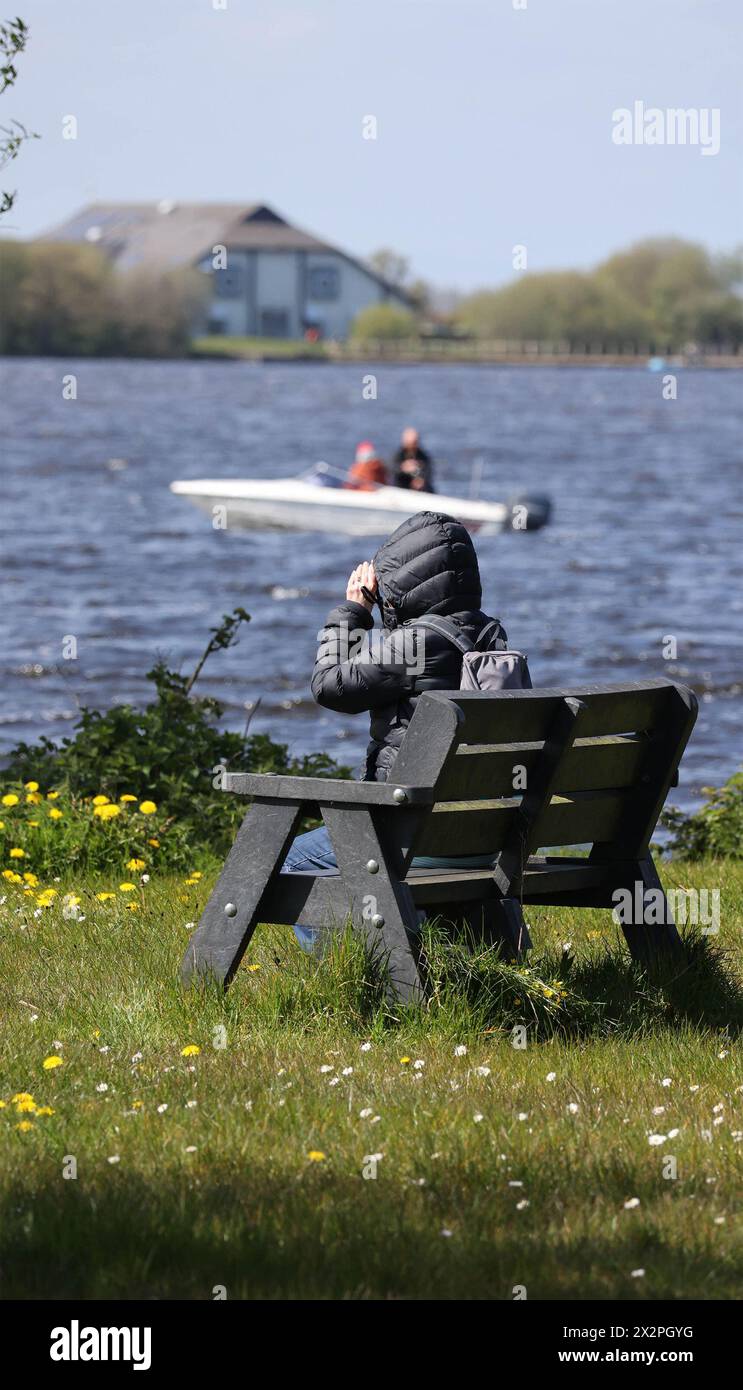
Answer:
[(428, 566)]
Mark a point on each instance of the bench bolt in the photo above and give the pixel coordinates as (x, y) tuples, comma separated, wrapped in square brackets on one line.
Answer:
[(372, 866), (399, 795), (230, 910), (378, 920)]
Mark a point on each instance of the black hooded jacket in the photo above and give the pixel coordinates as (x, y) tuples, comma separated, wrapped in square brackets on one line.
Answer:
[(428, 565)]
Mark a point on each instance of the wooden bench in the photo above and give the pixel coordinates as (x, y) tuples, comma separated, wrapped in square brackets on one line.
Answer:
[(503, 775)]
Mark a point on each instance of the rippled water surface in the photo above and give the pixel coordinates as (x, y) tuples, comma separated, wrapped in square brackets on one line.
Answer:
[(645, 543)]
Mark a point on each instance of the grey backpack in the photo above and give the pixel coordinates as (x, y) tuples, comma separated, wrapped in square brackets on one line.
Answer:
[(484, 666)]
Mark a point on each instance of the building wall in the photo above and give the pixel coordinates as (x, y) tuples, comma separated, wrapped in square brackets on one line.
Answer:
[(279, 293)]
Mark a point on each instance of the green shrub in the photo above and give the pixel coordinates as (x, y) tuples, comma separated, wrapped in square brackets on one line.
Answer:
[(379, 322), (716, 829), (171, 754)]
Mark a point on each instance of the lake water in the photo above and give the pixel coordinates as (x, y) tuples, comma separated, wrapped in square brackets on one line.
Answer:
[(645, 542)]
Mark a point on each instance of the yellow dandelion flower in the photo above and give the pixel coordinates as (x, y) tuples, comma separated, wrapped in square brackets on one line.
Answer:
[(127, 797), (20, 1095), (148, 808), (49, 1063), (108, 811), (27, 1106), (52, 796), (31, 880), (316, 1156), (12, 876), (156, 843), (127, 887), (3, 1104), (24, 1126), (196, 873), (135, 864), (34, 822), (190, 882), (132, 907), (33, 798), (31, 786), (10, 799), (190, 1050), (404, 1060), (104, 897), (100, 799), (45, 1110), (2, 824), (54, 814), (17, 853), (137, 1104), (254, 967)]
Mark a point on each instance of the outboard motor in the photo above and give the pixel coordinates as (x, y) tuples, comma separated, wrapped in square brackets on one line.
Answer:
[(529, 513)]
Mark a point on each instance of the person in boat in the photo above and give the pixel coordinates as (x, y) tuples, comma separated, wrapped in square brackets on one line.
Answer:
[(427, 566), (368, 471), (414, 466)]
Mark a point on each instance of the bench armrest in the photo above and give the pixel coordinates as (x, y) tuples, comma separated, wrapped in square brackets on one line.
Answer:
[(264, 786)]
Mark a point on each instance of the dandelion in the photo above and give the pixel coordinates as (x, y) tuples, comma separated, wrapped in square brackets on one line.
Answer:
[(11, 876), (316, 1156), (33, 798), (135, 864), (31, 880), (45, 1110), (55, 814), (156, 843), (17, 853), (137, 1104), (10, 799), (190, 1050), (127, 797), (631, 1203), (19, 1096), (148, 808), (108, 811), (127, 887), (26, 1106), (24, 1126), (100, 799), (49, 1063), (254, 967), (52, 796), (132, 907), (31, 786), (104, 897)]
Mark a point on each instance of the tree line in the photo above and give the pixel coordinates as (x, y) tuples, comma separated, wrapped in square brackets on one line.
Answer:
[(64, 298)]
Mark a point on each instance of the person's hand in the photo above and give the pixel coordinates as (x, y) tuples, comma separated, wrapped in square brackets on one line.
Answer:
[(363, 574)]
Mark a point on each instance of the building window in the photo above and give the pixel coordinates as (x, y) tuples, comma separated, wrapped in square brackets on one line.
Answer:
[(323, 282), (228, 284)]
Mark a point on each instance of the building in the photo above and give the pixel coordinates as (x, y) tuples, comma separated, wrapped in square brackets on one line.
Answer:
[(269, 278)]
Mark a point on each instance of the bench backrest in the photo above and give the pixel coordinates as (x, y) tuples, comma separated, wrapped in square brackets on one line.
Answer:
[(590, 765)]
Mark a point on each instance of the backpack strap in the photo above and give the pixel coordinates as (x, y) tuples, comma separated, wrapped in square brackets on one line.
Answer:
[(447, 630), (491, 637)]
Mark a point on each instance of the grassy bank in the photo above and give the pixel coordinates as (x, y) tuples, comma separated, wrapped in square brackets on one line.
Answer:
[(243, 1165)]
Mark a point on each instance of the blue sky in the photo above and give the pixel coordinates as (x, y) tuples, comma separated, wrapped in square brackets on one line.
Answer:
[(493, 123)]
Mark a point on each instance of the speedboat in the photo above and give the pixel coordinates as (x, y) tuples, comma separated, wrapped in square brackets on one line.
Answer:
[(297, 504)]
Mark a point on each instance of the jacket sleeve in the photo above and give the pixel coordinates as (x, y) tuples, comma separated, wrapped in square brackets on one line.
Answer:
[(357, 668)]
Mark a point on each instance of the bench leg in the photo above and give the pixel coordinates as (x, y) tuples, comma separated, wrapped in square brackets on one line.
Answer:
[(221, 939), (498, 923), (382, 905), (646, 918)]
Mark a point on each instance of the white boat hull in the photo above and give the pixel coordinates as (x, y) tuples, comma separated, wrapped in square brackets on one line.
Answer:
[(289, 504)]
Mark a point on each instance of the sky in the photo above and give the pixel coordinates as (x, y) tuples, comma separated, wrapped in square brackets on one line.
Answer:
[(494, 121)]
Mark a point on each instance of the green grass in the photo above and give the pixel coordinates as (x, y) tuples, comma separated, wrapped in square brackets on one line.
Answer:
[(222, 1192)]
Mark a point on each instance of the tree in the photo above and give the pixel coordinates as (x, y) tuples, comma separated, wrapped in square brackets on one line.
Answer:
[(13, 40), (379, 322), (390, 265)]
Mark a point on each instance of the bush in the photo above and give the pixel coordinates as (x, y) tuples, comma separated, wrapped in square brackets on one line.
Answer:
[(380, 322), (169, 756), (716, 829)]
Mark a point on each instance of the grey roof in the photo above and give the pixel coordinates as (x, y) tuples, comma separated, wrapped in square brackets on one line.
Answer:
[(169, 233)]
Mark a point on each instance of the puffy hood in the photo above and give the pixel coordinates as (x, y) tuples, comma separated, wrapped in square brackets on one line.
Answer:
[(428, 565)]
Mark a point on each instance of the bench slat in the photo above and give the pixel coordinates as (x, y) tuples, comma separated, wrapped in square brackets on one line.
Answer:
[(525, 715), (455, 828), (488, 771)]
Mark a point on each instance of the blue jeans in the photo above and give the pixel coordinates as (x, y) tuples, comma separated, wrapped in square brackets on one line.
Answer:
[(312, 853)]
